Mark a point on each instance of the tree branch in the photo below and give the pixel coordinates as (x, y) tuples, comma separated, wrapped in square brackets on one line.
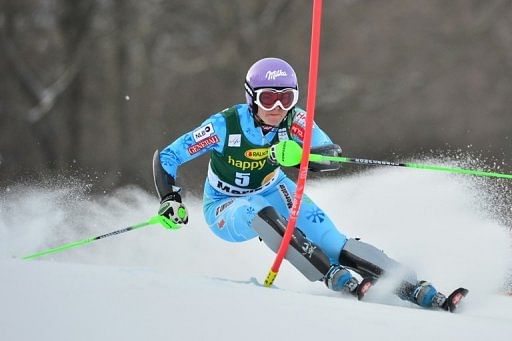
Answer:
[(44, 96)]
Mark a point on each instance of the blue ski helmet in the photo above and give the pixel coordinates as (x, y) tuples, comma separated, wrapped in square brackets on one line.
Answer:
[(271, 73)]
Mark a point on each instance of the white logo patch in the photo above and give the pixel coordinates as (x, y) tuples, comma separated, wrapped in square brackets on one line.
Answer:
[(282, 135), (272, 75), (234, 140), (308, 249), (203, 132)]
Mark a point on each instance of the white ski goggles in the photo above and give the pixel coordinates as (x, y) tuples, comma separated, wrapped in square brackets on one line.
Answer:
[(269, 99)]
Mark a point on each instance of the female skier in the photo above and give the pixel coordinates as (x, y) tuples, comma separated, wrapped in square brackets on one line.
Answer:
[(247, 195)]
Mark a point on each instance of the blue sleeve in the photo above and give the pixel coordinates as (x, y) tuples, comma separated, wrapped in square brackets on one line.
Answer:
[(318, 138), (211, 135)]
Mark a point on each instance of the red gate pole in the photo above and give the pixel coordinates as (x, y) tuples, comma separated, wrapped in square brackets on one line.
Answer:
[(303, 172)]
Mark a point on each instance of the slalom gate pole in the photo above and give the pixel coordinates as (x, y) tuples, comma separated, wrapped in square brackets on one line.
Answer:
[(310, 109), (153, 220)]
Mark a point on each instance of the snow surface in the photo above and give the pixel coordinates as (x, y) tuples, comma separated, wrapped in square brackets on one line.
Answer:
[(155, 284)]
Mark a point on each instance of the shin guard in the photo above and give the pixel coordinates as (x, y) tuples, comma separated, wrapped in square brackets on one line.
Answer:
[(369, 261), (305, 256)]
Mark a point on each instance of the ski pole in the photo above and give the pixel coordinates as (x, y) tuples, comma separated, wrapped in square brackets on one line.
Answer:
[(288, 153), (167, 223)]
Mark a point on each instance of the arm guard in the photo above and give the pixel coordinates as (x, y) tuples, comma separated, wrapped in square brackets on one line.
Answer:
[(164, 183)]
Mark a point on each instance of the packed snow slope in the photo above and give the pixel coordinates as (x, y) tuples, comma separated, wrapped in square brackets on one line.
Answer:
[(155, 284)]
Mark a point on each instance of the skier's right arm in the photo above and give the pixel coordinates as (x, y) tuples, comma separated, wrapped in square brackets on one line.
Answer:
[(209, 136)]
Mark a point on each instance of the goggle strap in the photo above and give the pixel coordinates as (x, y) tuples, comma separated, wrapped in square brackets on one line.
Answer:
[(248, 89)]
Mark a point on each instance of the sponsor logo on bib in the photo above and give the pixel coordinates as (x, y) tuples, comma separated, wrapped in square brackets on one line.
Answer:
[(246, 165), (234, 140), (256, 154)]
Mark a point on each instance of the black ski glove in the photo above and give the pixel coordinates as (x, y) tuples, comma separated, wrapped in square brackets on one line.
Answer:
[(325, 166), (314, 166)]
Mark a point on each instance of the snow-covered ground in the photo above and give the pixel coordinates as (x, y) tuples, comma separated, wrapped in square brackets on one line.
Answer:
[(155, 284)]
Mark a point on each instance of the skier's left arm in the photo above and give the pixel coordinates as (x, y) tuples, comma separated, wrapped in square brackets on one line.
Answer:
[(320, 143)]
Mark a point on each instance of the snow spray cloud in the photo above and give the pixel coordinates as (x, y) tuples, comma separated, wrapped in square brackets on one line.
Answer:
[(439, 224), (36, 217), (436, 223)]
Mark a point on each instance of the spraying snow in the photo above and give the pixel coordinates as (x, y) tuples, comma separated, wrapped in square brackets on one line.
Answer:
[(187, 284)]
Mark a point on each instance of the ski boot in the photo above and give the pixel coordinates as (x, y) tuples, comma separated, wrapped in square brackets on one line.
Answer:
[(425, 295), (340, 279)]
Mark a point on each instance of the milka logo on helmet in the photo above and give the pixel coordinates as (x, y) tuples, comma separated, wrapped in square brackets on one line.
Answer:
[(272, 75)]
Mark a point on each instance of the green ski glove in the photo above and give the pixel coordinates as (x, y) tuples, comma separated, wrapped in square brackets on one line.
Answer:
[(173, 212)]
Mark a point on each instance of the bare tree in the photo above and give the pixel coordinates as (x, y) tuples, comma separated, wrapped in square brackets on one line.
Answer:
[(105, 82), (76, 25)]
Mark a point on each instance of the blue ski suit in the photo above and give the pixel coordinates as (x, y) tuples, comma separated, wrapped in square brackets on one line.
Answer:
[(229, 208)]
